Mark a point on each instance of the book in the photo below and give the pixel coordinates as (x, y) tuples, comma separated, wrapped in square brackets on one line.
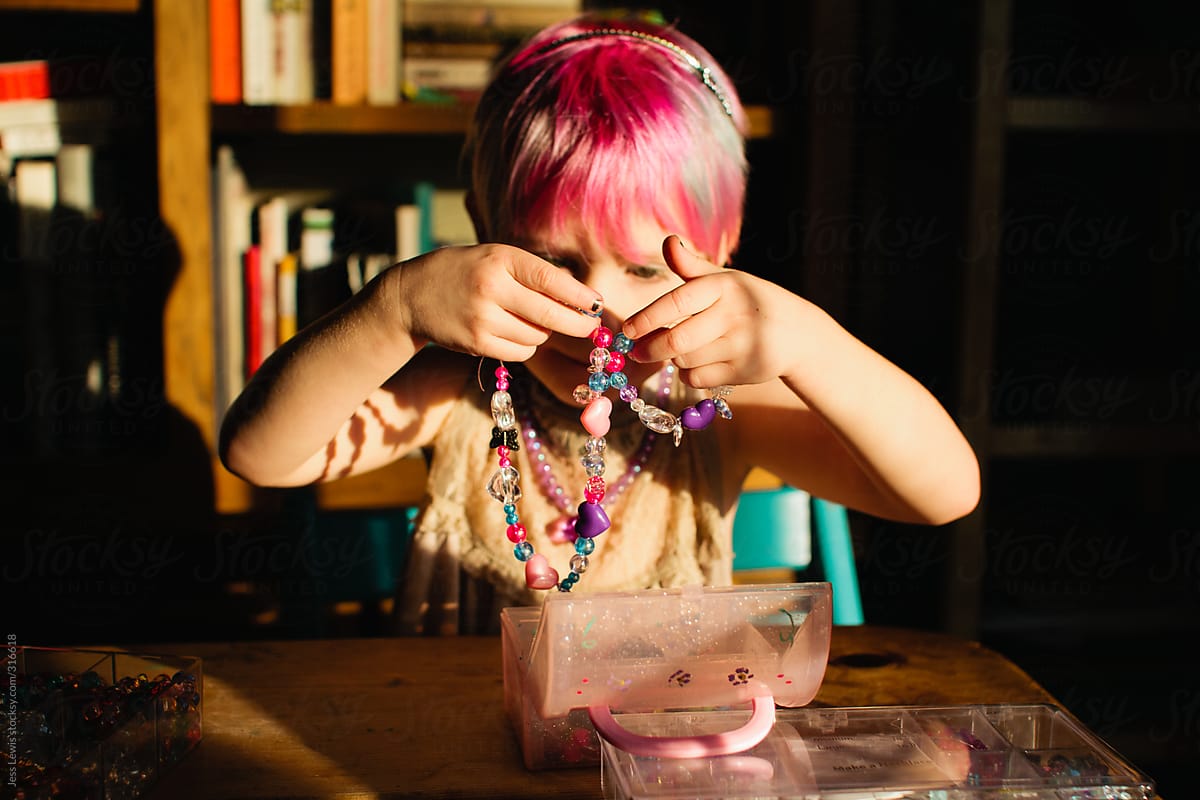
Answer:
[(273, 247), (258, 53), (231, 239), (252, 312), (225, 51), (24, 80), (450, 224), (348, 51), (483, 20), (292, 32), (463, 76), (408, 231), (35, 192), (285, 298), (383, 51)]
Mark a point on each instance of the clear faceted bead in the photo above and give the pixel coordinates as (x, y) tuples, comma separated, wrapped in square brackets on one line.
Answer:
[(723, 408), (657, 420), (594, 446), (502, 411), (599, 358), (505, 485), (579, 563), (583, 394)]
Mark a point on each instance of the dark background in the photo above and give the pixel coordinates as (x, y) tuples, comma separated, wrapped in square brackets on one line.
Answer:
[(1091, 575)]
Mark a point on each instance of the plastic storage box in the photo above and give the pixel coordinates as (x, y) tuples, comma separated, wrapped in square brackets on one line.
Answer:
[(93, 724), (571, 663), (1031, 752)]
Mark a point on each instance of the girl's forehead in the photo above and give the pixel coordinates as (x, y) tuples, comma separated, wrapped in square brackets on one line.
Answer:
[(639, 241)]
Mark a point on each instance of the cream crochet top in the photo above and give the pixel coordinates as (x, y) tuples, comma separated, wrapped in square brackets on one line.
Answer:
[(668, 528)]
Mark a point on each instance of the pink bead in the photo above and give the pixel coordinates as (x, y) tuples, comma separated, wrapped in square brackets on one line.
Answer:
[(501, 372), (595, 417), (596, 483), (602, 337), (539, 574), (502, 451), (616, 362), (516, 533), (593, 497), (506, 462), (502, 385)]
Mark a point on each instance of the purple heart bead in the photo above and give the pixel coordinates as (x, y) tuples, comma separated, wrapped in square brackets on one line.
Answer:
[(592, 520), (700, 416)]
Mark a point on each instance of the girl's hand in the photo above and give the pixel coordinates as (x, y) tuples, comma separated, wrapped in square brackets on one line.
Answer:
[(722, 326), (490, 300)]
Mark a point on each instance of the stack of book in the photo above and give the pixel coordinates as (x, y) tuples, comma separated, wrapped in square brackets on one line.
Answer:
[(64, 221), (288, 52), (282, 259)]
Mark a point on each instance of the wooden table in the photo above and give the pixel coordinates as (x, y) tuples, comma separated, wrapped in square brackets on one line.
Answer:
[(408, 717)]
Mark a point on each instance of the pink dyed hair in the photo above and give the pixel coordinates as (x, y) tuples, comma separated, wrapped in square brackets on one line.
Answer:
[(603, 129)]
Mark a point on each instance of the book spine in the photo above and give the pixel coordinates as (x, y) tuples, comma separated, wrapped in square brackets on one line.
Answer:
[(231, 240), (285, 298), (293, 62), (349, 51), (252, 271), (383, 52), (272, 239), (258, 53), (225, 51), (24, 80)]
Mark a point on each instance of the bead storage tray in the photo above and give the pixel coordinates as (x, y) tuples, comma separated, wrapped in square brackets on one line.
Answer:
[(689, 647), (96, 724), (1032, 752)]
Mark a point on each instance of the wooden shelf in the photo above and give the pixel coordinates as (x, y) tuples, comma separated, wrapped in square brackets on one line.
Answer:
[(93, 6), (1087, 114), (402, 118)]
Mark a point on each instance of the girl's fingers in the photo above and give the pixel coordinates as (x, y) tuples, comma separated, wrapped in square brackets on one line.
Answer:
[(674, 306), (683, 262), (571, 301), (692, 335)]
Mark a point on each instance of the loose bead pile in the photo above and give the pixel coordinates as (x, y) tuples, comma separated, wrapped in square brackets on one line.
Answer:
[(606, 370)]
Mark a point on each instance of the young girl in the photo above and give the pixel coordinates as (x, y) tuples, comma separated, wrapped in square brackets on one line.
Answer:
[(607, 182)]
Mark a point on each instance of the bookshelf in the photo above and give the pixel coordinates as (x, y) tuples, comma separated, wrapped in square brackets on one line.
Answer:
[(188, 125)]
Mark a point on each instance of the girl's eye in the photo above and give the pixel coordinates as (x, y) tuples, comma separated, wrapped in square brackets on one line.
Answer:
[(645, 271)]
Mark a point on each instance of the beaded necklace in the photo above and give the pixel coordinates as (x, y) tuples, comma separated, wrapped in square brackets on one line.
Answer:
[(562, 528), (606, 370)]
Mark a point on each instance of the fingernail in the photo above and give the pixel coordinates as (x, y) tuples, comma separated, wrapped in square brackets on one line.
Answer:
[(595, 311)]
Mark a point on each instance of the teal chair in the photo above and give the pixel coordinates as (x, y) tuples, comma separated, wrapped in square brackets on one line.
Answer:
[(787, 528)]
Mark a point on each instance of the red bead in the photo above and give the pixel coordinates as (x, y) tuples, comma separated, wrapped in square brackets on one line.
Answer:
[(602, 337), (516, 533), (502, 384), (505, 462), (616, 362), (501, 372), (502, 451)]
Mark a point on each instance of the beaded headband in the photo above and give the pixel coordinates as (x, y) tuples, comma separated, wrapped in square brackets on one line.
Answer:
[(702, 72)]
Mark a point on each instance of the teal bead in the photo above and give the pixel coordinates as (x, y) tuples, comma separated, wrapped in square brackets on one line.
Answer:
[(622, 343), (523, 551), (509, 508), (584, 546), (512, 519), (618, 380), (598, 381)]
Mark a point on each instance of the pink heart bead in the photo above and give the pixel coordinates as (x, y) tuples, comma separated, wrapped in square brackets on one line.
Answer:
[(539, 574), (595, 417)]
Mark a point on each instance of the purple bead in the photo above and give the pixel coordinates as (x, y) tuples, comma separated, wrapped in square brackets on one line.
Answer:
[(592, 520), (628, 393), (700, 416)]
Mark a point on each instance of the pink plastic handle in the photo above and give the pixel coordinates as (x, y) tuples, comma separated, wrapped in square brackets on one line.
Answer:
[(701, 746)]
